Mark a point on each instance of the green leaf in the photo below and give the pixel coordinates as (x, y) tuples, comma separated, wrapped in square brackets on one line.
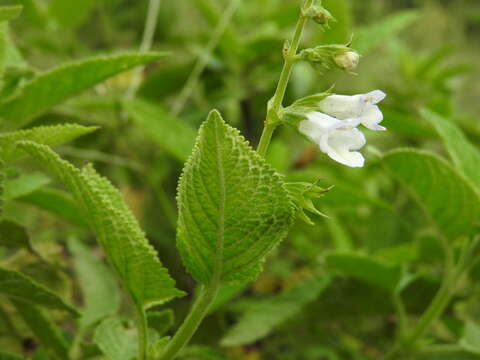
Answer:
[(18, 286), (471, 338), (43, 329), (160, 321), (100, 293), (14, 236), (54, 86), (199, 352), (171, 134), (262, 317), (446, 196), (115, 341), (10, 12), (48, 135), (464, 155), (117, 230), (380, 32), (24, 185), (57, 202), (233, 207), (5, 356), (367, 268)]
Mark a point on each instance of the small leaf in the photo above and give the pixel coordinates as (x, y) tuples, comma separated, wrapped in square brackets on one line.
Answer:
[(160, 321), (115, 341), (47, 135), (447, 197), (233, 207), (171, 134), (101, 296), (367, 268), (9, 12), (54, 86), (16, 285), (43, 329), (464, 155), (117, 230), (263, 316)]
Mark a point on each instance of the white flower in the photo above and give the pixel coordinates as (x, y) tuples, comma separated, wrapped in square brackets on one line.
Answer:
[(362, 107), (335, 137)]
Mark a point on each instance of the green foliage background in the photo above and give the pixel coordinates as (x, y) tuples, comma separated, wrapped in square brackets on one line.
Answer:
[(326, 292)]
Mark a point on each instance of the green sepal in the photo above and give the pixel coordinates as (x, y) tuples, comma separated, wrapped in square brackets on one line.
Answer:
[(303, 194)]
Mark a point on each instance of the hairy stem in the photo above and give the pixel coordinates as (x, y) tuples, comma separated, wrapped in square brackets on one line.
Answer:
[(146, 45), (275, 103), (197, 71), (192, 321)]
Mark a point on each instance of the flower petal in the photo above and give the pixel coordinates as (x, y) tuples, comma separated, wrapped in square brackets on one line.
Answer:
[(318, 125), (342, 106), (371, 118), (374, 97), (341, 142)]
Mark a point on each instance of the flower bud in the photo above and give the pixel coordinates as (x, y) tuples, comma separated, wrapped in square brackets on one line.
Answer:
[(319, 14), (347, 61)]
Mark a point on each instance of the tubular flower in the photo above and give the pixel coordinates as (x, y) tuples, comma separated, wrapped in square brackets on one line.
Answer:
[(362, 107), (336, 138)]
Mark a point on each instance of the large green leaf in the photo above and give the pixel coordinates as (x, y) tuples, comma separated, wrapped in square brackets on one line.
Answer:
[(170, 133), (465, 156), (19, 286), (233, 207), (117, 230), (48, 135), (263, 316), (447, 197), (43, 329), (101, 296), (52, 87)]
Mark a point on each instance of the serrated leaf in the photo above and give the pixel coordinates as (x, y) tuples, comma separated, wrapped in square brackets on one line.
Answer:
[(464, 155), (367, 268), (115, 341), (171, 134), (446, 196), (160, 321), (47, 135), (54, 86), (9, 12), (117, 230), (100, 293), (43, 329), (233, 207), (261, 318), (18, 286), (14, 236)]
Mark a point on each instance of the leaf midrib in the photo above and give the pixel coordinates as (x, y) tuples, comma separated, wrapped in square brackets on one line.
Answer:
[(217, 271)]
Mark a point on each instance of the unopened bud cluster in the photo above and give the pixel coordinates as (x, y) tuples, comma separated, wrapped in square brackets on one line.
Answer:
[(319, 14), (325, 57)]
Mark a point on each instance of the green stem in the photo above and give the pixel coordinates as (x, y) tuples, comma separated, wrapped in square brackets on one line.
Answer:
[(142, 328), (146, 45), (202, 62), (275, 103), (192, 321)]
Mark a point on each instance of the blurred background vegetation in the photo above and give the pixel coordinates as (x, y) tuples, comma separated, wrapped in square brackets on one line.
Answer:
[(423, 53)]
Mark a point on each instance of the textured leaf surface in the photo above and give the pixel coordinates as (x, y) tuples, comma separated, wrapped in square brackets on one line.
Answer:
[(262, 317), (233, 207), (19, 286), (116, 342), (171, 134), (48, 135), (447, 197), (464, 155), (43, 329), (54, 86), (366, 268), (117, 230), (100, 293)]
